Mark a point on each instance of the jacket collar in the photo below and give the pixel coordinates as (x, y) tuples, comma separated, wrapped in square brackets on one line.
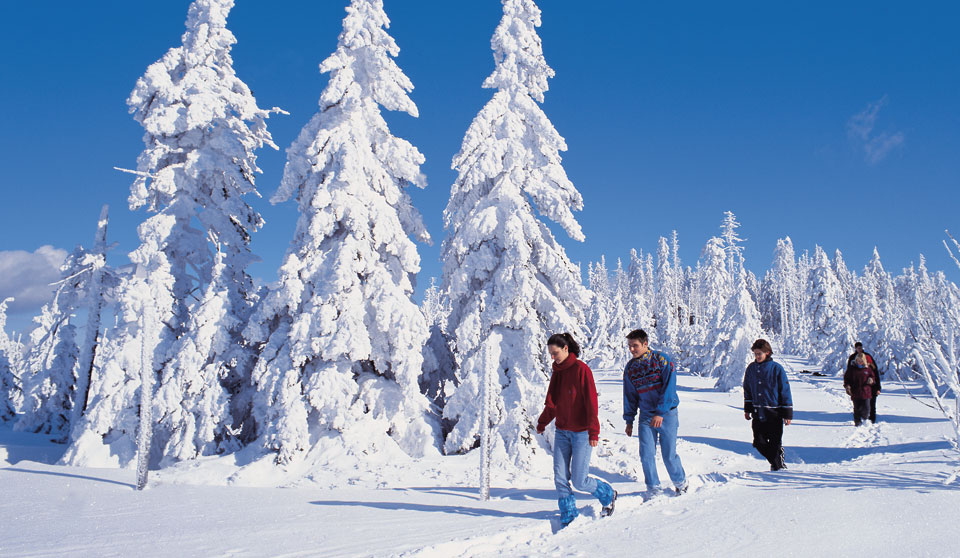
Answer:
[(567, 364)]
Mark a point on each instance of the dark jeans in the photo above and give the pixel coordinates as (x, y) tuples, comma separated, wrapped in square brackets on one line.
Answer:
[(873, 407), (768, 439), (861, 410)]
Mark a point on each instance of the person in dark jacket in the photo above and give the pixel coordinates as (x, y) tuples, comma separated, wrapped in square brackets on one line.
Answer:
[(858, 380), (572, 401), (767, 400), (875, 387), (650, 391)]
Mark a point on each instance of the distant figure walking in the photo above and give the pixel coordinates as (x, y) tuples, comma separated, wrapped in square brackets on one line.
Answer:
[(875, 387), (572, 401), (767, 400), (858, 380), (650, 391)]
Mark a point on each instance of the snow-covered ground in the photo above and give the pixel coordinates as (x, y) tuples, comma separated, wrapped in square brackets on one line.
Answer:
[(873, 491)]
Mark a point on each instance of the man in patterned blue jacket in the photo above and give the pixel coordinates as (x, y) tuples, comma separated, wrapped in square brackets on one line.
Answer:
[(650, 390)]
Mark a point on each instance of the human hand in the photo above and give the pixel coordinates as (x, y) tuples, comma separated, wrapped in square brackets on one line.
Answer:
[(746, 415), (787, 421), (629, 430), (593, 443), (656, 422), (540, 430)]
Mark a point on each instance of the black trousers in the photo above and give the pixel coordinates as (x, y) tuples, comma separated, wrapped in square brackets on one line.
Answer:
[(861, 410), (768, 439), (873, 407)]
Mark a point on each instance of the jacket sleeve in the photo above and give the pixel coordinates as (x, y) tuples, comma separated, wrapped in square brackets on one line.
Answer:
[(786, 399), (630, 399), (876, 373), (590, 401), (668, 387), (747, 392), (549, 407)]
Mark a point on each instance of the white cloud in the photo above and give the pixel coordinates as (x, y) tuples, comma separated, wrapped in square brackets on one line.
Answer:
[(875, 146), (28, 276)]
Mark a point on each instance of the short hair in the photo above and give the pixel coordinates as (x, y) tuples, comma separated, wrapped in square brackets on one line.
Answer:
[(857, 344), (637, 335), (762, 345), (564, 340)]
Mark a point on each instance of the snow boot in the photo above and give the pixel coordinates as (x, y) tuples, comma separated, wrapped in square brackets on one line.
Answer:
[(682, 489), (607, 496), (568, 510)]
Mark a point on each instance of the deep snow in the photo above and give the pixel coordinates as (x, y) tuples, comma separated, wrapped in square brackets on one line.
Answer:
[(876, 490)]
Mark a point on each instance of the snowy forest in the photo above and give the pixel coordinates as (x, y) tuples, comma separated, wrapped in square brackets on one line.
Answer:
[(179, 354)]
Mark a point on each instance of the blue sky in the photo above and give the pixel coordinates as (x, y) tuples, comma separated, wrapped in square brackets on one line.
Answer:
[(836, 123)]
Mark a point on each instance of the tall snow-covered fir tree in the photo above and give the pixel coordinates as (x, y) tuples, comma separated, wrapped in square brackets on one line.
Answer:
[(9, 382), (63, 350), (340, 339), (827, 313), (507, 275), (202, 128), (666, 301), (737, 329)]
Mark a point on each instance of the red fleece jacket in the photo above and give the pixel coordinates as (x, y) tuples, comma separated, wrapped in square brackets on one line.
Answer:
[(571, 398)]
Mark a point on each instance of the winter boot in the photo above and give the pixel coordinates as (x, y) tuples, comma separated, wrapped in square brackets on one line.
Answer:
[(568, 510), (682, 489), (607, 496)]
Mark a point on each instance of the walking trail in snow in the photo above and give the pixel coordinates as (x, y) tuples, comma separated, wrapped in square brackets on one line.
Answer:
[(876, 490)]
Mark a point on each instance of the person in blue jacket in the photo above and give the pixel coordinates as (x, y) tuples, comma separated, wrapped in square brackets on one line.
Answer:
[(767, 400), (650, 391)]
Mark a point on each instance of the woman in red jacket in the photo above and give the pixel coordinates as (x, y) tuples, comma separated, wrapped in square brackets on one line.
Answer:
[(858, 380), (572, 401)]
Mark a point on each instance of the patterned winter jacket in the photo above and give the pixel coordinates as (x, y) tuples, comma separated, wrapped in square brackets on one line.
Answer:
[(649, 386), (766, 391)]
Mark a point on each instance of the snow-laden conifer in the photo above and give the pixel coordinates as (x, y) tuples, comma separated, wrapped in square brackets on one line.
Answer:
[(9, 382), (202, 127), (667, 326), (439, 377), (340, 340), (737, 329), (62, 350), (509, 170), (827, 312)]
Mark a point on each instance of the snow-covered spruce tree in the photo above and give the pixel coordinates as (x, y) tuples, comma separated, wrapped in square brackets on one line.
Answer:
[(201, 155), (738, 328), (9, 382), (607, 348), (439, 376), (497, 250), (638, 304), (827, 313), (783, 288), (62, 351), (847, 308), (202, 128), (340, 339), (714, 286), (598, 317), (100, 283), (731, 244), (665, 301)]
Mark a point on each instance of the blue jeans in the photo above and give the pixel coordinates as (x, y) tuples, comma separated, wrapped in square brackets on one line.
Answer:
[(571, 462), (667, 437)]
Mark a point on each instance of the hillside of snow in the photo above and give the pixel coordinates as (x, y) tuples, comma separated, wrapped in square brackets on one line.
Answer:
[(876, 490)]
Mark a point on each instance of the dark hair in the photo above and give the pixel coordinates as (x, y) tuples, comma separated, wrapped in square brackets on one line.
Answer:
[(762, 345), (566, 341), (857, 344), (637, 335)]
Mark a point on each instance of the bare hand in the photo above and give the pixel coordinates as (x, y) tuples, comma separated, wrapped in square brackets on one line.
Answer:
[(787, 421), (539, 430), (593, 443), (629, 430), (656, 422), (746, 415)]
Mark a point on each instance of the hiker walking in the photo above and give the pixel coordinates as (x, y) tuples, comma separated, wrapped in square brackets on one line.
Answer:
[(858, 381), (572, 401), (767, 400), (650, 394), (875, 386)]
